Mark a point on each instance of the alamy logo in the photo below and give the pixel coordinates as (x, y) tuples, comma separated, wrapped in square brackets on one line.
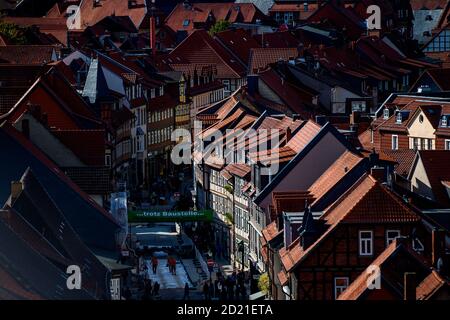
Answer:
[(374, 277), (374, 20), (74, 279), (74, 20)]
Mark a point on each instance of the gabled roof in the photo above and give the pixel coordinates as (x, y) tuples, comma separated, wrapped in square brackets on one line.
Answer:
[(261, 58), (26, 54), (58, 99), (56, 27), (436, 165), (25, 269), (302, 142), (367, 201), (238, 42), (430, 285), (279, 39), (201, 49), (92, 223), (90, 14), (188, 17), (35, 206), (391, 277), (344, 164)]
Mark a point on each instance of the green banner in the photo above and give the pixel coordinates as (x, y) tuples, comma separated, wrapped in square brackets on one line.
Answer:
[(169, 216)]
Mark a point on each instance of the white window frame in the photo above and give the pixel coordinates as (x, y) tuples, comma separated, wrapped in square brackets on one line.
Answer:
[(392, 142), (386, 113), (447, 144), (417, 241), (370, 242), (389, 239), (341, 288)]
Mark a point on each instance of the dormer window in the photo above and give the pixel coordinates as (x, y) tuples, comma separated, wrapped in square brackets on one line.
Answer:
[(444, 121), (399, 118), (185, 22), (386, 113)]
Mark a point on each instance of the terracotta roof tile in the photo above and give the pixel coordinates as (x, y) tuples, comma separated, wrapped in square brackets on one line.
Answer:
[(260, 58), (367, 201), (271, 231), (201, 49), (404, 158), (92, 180), (239, 42), (358, 286), (430, 285), (282, 277), (199, 13), (25, 54), (345, 163), (238, 169)]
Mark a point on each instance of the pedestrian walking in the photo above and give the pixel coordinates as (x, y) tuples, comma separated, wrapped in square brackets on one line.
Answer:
[(211, 290), (206, 290), (156, 288), (186, 292), (154, 264), (173, 263)]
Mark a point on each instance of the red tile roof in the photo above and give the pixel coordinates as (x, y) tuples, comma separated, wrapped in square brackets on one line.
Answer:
[(297, 99), (367, 201), (64, 107), (238, 169), (282, 277), (239, 42), (359, 286), (199, 13), (300, 8), (271, 231), (304, 136), (90, 15), (201, 49), (404, 159), (430, 285), (92, 180), (56, 27), (25, 54), (261, 58), (344, 164), (281, 39)]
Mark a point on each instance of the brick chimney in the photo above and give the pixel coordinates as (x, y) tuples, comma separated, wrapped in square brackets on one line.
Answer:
[(16, 189), (152, 34), (409, 286)]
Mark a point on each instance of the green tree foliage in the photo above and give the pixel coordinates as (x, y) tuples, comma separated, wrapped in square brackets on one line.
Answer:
[(263, 283), (219, 26), (12, 33)]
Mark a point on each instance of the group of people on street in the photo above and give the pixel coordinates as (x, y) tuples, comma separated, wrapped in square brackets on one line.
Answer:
[(231, 287), (150, 290)]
